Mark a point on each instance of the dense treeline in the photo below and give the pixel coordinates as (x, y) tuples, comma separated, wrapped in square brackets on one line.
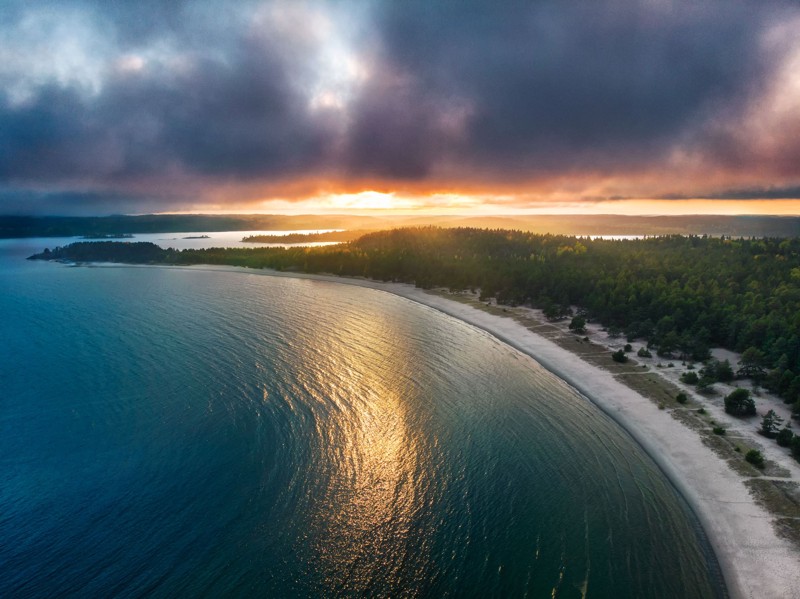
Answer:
[(338, 236), (681, 294)]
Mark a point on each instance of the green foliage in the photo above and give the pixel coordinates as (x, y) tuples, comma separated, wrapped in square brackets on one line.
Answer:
[(619, 356), (770, 424), (705, 385), (718, 371), (644, 353), (755, 457), (690, 378), (108, 251), (724, 371), (785, 436), (718, 430), (627, 348), (681, 398), (751, 365), (577, 324), (739, 403), (794, 445)]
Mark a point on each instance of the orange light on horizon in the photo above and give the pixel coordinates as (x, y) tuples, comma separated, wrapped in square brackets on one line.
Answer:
[(389, 203)]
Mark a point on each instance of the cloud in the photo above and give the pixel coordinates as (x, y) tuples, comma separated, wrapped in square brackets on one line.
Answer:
[(749, 193), (179, 100)]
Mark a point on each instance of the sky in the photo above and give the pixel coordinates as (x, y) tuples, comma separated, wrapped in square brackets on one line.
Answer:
[(618, 106)]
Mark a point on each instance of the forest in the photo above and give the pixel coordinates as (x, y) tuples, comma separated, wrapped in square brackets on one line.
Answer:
[(683, 294)]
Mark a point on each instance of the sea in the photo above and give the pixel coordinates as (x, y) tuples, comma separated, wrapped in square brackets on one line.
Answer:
[(194, 432)]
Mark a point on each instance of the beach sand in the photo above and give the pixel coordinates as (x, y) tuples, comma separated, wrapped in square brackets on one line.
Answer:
[(756, 562)]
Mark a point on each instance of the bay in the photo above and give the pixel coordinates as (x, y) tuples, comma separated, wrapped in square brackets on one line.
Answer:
[(191, 432)]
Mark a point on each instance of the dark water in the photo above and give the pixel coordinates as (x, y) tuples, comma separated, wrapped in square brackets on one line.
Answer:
[(193, 433)]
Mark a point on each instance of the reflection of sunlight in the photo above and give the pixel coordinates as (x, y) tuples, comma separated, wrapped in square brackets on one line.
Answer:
[(369, 506)]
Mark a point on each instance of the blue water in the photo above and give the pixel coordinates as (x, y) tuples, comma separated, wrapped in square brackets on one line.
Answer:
[(186, 432)]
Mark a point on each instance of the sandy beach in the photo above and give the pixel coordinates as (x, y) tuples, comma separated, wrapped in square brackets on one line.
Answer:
[(755, 561)]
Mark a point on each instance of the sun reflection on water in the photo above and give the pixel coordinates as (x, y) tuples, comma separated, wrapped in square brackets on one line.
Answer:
[(367, 508)]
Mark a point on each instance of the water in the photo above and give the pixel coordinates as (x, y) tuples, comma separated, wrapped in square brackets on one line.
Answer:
[(185, 432), (178, 241)]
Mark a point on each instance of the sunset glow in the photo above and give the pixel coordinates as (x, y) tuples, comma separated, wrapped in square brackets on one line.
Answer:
[(288, 107)]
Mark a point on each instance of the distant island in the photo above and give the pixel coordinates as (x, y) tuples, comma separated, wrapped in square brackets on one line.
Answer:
[(337, 236), (109, 236), (198, 237)]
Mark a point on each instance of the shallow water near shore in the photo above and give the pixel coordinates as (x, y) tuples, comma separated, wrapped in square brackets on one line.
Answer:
[(194, 432)]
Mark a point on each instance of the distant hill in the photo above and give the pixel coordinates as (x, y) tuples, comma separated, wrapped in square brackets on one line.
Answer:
[(604, 224)]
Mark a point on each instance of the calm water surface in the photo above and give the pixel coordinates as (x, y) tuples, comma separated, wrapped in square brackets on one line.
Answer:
[(180, 432)]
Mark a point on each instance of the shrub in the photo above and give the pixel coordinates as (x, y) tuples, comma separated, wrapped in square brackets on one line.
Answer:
[(619, 356), (577, 324), (718, 430), (690, 378), (644, 353), (701, 410), (628, 347), (706, 385), (755, 457), (739, 403), (681, 398)]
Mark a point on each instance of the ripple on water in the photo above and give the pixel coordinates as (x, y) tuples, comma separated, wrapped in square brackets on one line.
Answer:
[(197, 432)]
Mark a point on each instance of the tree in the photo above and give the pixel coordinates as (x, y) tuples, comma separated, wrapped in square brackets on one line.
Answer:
[(785, 437), (690, 377), (723, 371), (619, 356), (668, 344), (739, 403), (752, 364), (795, 447), (681, 398), (770, 424), (644, 353), (706, 385), (578, 324)]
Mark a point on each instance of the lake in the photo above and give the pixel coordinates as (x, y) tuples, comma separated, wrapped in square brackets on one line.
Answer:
[(185, 432)]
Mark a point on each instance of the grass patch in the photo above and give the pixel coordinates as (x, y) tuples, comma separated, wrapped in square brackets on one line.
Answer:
[(783, 500), (650, 386), (726, 450)]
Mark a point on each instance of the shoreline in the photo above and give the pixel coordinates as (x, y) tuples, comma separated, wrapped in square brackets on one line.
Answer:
[(754, 561)]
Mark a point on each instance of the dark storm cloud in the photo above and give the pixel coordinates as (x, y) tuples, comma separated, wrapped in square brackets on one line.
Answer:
[(231, 111), (77, 203), (750, 193), (555, 85), (492, 92)]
